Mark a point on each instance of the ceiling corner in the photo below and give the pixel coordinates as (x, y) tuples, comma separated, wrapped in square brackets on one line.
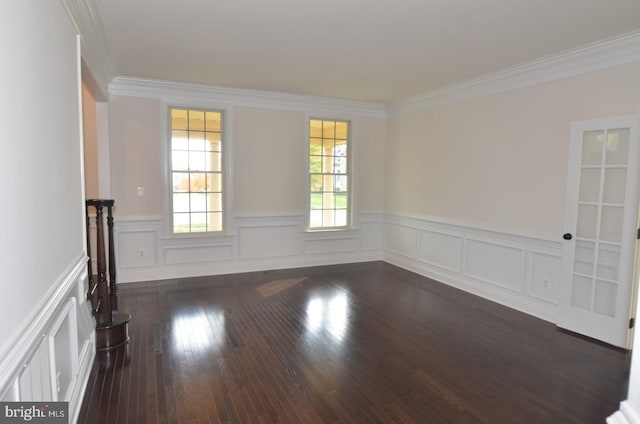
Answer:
[(95, 51)]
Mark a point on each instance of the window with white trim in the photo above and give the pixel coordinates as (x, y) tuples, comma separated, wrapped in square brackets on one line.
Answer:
[(329, 174), (196, 170)]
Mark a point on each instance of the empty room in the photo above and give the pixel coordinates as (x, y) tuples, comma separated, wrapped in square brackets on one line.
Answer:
[(338, 212)]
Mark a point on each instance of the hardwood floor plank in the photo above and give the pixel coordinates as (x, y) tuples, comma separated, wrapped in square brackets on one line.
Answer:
[(359, 343)]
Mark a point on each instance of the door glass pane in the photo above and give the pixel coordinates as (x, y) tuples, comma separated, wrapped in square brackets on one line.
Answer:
[(587, 221), (592, 143), (584, 257), (590, 185), (611, 223), (605, 300), (614, 185), (608, 261), (581, 293), (617, 146)]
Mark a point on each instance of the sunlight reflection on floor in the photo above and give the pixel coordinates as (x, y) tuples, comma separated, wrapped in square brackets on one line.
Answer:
[(276, 286), (199, 331)]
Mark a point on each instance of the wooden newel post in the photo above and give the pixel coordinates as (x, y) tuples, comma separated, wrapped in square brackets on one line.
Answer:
[(111, 325), (112, 257), (88, 223), (104, 315)]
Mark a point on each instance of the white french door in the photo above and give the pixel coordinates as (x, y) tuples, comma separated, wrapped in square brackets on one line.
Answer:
[(601, 219)]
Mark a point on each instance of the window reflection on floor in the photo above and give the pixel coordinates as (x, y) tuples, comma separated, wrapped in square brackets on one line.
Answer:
[(328, 315), (198, 331)]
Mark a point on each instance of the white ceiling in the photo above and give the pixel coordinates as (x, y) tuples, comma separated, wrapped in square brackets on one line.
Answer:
[(371, 50)]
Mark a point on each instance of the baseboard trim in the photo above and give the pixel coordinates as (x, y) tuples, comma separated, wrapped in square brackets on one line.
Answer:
[(625, 415)]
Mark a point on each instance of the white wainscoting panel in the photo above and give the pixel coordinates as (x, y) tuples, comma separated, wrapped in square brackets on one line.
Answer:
[(545, 270), (258, 243), (45, 363), (401, 239), (331, 245), (495, 263), (63, 351), (137, 249), (521, 271), (440, 249), (197, 254), (35, 379), (269, 241), (370, 235)]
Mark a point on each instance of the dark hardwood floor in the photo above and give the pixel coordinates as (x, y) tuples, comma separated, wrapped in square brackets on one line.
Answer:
[(361, 343)]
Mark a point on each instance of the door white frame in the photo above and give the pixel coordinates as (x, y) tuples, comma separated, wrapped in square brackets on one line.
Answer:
[(610, 329)]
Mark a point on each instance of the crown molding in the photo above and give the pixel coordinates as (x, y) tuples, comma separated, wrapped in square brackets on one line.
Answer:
[(179, 92), (96, 57), (602, 55)]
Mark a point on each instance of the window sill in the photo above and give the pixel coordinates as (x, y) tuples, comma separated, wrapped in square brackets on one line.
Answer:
[(197, 236), (346, 230)]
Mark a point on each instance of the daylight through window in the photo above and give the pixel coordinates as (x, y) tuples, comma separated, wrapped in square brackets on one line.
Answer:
[(196, 170), (329, 172)]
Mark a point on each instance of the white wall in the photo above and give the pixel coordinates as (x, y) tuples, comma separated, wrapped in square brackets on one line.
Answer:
[(269, 166), (90, 144), (42, 312), (135, 132), (501, 159)]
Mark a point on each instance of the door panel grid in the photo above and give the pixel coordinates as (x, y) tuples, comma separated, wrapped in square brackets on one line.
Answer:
[(602, 213), (600, 217)]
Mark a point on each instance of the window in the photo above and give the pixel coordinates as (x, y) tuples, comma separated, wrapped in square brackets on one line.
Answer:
[(329, 174), (196, 170)]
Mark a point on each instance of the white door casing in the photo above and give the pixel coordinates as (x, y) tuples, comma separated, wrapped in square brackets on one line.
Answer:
[(601, 229)]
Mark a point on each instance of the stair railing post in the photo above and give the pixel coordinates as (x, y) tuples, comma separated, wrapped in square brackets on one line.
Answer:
[(113, 290), (88, 223), (104, 315), (111, 325)]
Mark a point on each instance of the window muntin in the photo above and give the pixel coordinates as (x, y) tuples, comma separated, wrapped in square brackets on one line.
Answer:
[(329, 174), (196, 170)]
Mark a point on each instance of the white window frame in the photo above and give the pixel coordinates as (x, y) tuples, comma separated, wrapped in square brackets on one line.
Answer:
[(227, 172), (351, 166)]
